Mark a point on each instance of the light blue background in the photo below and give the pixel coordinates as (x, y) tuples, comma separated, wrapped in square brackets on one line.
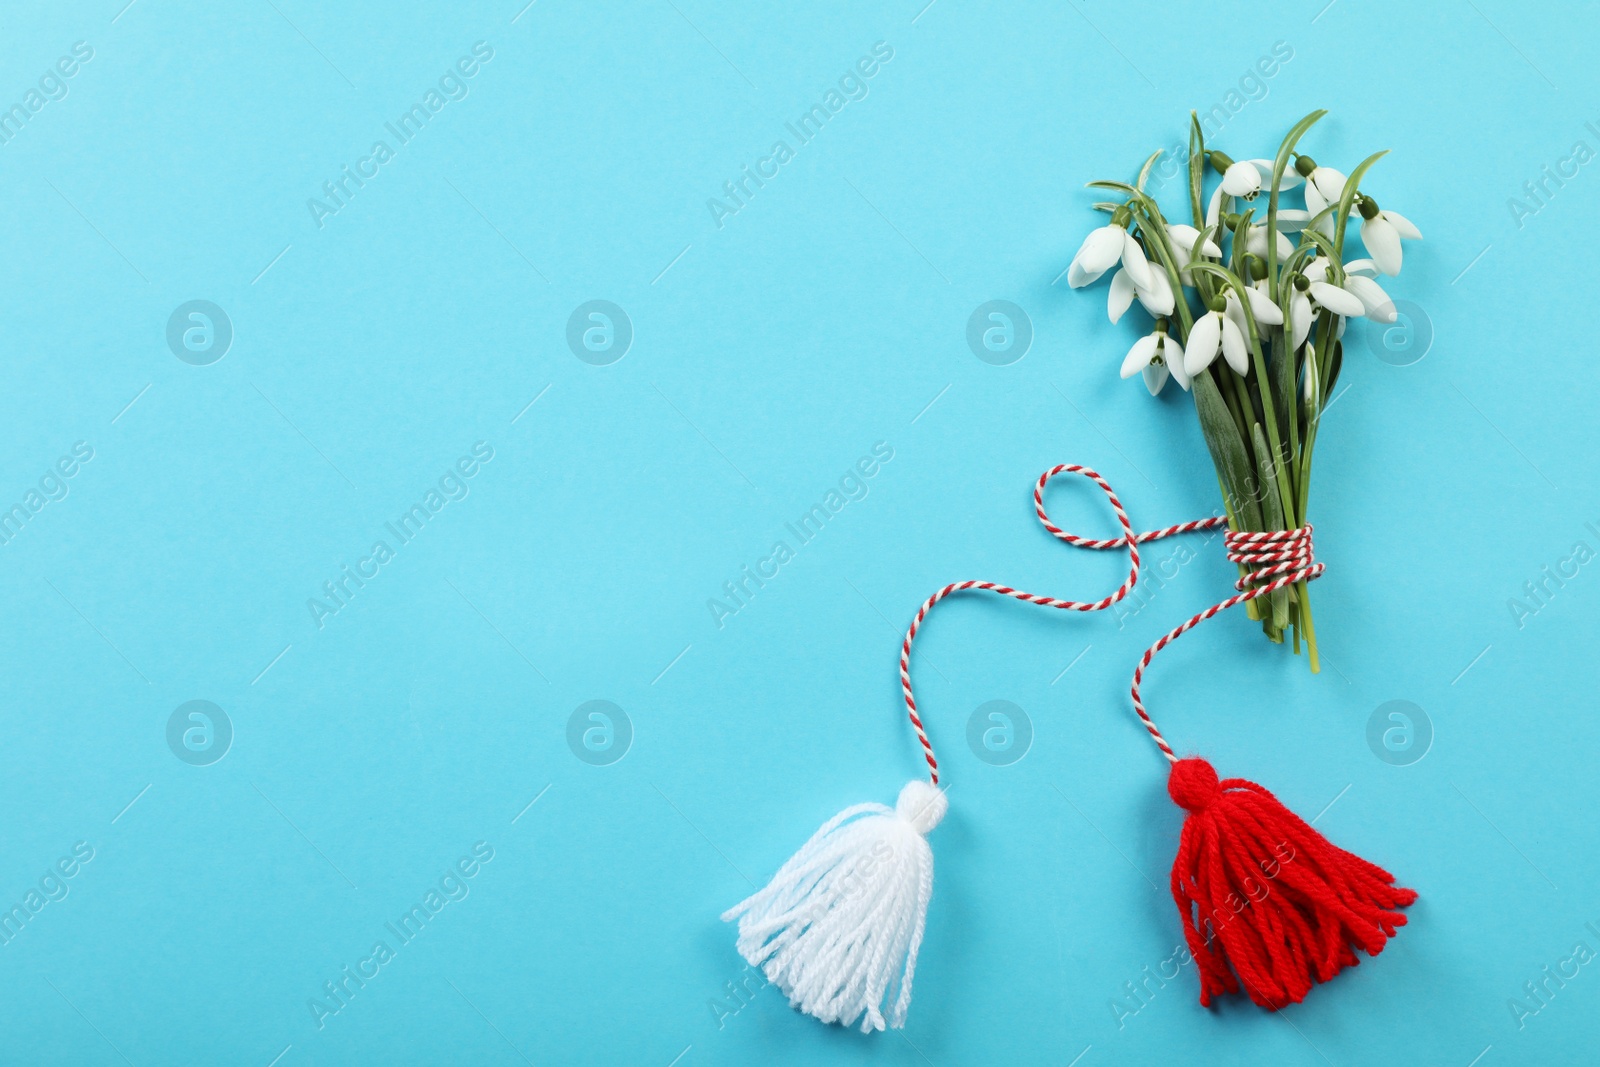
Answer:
[(769, 354)]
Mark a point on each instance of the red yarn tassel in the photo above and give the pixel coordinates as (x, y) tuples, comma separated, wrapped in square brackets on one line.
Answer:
[(1267, 903)]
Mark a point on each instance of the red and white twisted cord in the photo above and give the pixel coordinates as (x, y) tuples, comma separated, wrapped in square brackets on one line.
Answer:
[(1272, 560)]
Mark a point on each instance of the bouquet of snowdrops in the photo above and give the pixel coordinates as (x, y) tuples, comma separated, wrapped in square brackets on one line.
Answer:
[(1267, 287)]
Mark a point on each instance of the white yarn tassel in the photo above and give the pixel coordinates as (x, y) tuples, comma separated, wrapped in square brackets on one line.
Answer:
[(839, 926)]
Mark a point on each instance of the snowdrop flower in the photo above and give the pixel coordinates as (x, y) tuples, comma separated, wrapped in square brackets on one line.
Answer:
[(1248, 177), (1337, 299), (1157, 298), (1214, 332), (1289, 180), (1245, 181), (1262, 305), (1183, 239), (1344, 302), (1311, 291), (1238, 179), (1299, 317), (1310, 391), (1358, 279), (1324, 185), (1255, 242), (1375, 302), (1156, 355), (1101, 251), (1262, 309), (1381, 232)]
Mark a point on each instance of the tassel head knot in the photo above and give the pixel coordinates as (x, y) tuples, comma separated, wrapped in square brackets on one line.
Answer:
[(1193, 784), (922, 805)]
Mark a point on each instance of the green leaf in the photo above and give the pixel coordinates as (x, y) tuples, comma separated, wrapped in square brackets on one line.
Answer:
[(1278, 164), (1348, 197), (1144, 171), (1121, 187), (1197, 168), (1226, 276), (1240, 243), (1280, 368), (1272, 511), (1292, 137), (1296, 131), (1298, 261), (1318, 240), (1227, 451)]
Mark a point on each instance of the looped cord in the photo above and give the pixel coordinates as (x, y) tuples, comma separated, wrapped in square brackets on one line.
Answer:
[(1271, 560)]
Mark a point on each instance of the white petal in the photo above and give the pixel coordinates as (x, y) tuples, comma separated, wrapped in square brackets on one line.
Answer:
[(1262, 307), (1378, 306), (1383, 243), (1120, 296), (1213, 208), (1329, 182), (1133, 261), (1402, 225), (1310, 390), (1255, 242), (1099, 251), (1140, 355), (1300, 315), (1158, 298), (1234, 313), (1172, 355), (1241, 179), (1290, 179), (1186, 236), (1182, 235), (1292, 219), (1204, 341), (1317, 269), (1234, 349), (1361, 268), (1155, 376), (1315, 201), (1339, 332), (1336, 299), (1180, 246)]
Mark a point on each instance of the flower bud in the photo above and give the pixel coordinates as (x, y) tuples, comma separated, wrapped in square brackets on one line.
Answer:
[(1302, 283), (1256, 267), (1304, 165), (1218, 303), (1219, 161), (1369, 207)]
